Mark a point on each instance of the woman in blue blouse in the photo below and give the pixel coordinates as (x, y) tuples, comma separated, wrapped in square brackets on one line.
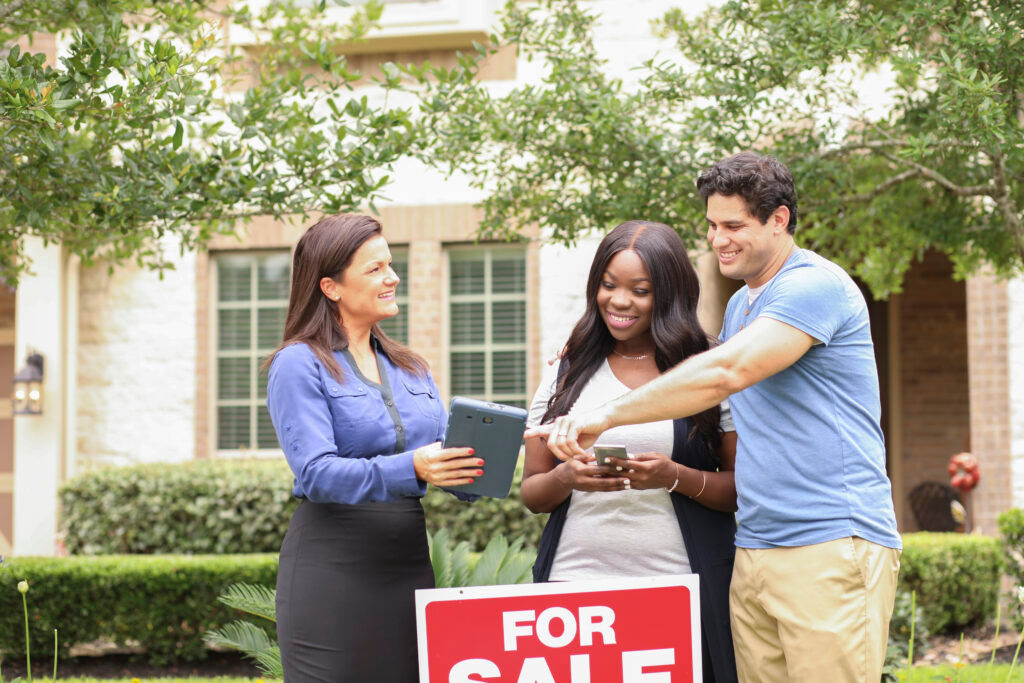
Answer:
[(359, 419)]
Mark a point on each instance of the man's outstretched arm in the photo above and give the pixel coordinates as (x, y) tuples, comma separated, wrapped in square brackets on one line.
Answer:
[(759, 351)]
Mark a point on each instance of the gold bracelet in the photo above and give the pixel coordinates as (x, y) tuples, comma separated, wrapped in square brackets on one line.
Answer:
[(675, 483), (702, 485)]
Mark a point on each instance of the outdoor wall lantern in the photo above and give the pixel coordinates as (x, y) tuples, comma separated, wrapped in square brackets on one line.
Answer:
[(28, 387)]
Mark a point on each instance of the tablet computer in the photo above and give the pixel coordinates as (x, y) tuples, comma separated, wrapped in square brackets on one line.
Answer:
[(495, 432)]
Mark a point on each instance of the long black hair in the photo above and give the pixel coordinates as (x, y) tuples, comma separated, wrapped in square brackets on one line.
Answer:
[(326, 250), (676, 330)]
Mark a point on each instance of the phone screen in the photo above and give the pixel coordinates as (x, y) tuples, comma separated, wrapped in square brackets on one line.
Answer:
[(602, 453)]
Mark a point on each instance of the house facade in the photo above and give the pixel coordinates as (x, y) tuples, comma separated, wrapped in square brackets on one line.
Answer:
[(143, 369)]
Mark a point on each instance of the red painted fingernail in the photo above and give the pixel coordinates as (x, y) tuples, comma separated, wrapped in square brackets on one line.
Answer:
[(479, 462), (479, 472), (472, 451), (471, 481)]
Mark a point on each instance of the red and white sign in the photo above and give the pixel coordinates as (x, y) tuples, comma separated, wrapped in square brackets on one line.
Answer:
[(644, 630)]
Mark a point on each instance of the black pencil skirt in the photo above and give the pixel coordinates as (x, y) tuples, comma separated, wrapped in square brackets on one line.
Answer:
[(345, 603)]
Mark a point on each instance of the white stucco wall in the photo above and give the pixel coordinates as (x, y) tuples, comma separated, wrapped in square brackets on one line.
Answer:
[(1015, 361), (136, 364), (38, 449), (563, 283)]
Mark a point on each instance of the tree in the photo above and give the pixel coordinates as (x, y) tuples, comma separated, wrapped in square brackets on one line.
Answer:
[(937, 162), (153, 127)]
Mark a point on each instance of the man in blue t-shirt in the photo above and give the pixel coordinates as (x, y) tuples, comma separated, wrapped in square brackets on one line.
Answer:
[(817, 546)]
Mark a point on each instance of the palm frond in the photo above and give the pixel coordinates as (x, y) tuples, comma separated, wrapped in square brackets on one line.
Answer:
[(269, 662), (251, 640), (240, 635), (252, 599)]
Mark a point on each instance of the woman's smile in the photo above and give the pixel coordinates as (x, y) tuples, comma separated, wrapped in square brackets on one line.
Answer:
[(620, 321)]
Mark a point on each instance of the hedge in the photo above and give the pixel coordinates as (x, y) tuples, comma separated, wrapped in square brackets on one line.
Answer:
[(237, 506), (201, 506), (1011, 528), (165, 603), (956, 577), (161, 603)]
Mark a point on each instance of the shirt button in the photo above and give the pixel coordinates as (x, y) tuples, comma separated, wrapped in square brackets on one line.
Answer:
[(399, 428), (389, 403), (334, 390)]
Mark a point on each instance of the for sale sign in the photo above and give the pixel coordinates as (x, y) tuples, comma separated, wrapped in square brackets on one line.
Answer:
[(644, 630)]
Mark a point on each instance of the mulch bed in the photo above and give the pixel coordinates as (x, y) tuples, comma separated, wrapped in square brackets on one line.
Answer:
[(134, 666), (974, 648)]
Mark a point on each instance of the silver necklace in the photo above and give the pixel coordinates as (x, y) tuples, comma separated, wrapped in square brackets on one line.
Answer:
[(622, 355)]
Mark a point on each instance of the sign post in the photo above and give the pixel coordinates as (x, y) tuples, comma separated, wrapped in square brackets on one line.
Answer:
[(644, 630)]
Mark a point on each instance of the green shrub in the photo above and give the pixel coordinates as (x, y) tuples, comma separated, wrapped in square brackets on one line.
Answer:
[(1011, 529), (202, 506), (956, 577), (906, 622), (238, 506), (477, 523), (161, 603)]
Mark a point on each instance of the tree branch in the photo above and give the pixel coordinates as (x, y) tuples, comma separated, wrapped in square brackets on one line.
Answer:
[(875, 145), (943, 181), (879, 189), (8, 9), (1005, 203)]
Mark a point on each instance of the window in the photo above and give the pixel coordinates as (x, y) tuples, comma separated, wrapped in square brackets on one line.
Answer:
[(252, 300), (487, 324), (398, 327)]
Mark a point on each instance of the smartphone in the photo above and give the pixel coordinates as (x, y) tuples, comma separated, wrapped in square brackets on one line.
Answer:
[(605, 451)]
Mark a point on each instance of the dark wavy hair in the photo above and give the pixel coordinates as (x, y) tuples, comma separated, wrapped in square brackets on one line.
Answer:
[(326, 250), (764, 182), (675, 328)]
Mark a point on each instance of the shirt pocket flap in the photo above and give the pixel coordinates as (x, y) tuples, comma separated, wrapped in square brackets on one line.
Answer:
[(419, 388), (335, 390)]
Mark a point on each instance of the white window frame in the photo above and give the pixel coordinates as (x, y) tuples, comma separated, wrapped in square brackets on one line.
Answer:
[(488, 347), (215, 354), (402, 299), (405, 19)]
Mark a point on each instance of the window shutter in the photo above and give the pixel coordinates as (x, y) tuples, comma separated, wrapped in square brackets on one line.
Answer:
[(487, 324), (398, 327), (252, 301)]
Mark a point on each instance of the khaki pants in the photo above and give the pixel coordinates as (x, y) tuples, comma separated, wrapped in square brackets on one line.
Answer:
[(813, 613)]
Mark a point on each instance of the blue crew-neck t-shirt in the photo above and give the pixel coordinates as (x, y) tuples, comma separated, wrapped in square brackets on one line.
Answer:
[(810, 461)]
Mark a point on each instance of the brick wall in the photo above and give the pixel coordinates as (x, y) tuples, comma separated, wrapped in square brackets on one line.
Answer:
[(988, 332), (932, 366)]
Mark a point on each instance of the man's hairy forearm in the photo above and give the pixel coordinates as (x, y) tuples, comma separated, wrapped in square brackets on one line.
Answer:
[(698, 383)]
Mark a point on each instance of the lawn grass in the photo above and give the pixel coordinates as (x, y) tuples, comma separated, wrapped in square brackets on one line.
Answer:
[(969, 673), (973, 673), (217, 679)]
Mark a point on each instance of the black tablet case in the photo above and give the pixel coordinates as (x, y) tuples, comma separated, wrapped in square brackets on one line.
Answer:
[(495, 432)]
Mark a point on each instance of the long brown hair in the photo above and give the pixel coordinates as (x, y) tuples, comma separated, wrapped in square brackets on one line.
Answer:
[(326, 250), (675, 328)]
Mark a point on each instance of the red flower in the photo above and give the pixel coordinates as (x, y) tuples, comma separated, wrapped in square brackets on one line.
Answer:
[(964, 472)]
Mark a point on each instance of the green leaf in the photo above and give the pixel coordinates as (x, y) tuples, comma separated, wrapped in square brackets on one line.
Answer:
[(179, 132)]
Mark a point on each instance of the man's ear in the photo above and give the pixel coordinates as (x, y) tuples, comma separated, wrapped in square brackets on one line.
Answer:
[(330, 288), (779, 220)]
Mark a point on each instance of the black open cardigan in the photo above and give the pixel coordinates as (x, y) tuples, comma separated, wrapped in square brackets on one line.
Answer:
[(709, 536)]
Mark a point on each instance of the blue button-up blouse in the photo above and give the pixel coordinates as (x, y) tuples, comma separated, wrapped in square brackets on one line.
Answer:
[(351, 441)]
